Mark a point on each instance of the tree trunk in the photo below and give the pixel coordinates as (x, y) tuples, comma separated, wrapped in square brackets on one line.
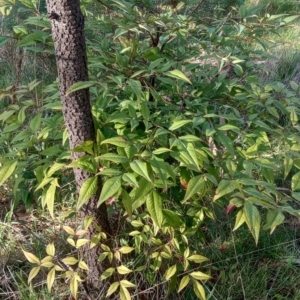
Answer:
[(70, 50)]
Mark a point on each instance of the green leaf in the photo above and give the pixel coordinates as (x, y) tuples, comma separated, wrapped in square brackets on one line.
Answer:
[(154, 206), (80, 85), (87, 190), (145, 187), (195, 185), (228, 127), (140, 168), (130, 178), (136, 87), (225, 187), (178, 75), (293, 116), (110, 187), (172, 218), (21, 136), (107, 273), (113, 157), (4, 40), (296, 182), (49, 199), (290, 19), (252, 217), (239, 220), (161, 151), (288, 164), (274, 218), (227, 142), (51, 151), (6, 170), (145, 110), (117, 141), (178, 124), (127, 203), (183, 282)]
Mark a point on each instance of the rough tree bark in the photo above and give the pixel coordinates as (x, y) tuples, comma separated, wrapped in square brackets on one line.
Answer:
[(70, 50)]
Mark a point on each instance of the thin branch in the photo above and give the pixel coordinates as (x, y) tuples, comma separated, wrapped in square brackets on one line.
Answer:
[(195, 9)]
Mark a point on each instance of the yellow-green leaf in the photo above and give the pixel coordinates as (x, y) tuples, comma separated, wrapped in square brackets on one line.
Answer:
[(197, 258), (47, 264), (34, 271), (178, 75), (199, 290), (69, 230), (288, 164), (225, 187), (71, 242), (6, 170), (87, 222), (50, 279), (127, 284), (195, 185), (82, 265), (112, 288), (31, 257), (154, 206), (126, 249), (124, 294), (49, 199), (177, 124), (81, 242), (50, 249), (170, 272), (70, 260), (296, 182), (252, 216), (107, 273), (199, 275), (123, 270), (183, 282), (239, 220), (74, 286), (47, 259)]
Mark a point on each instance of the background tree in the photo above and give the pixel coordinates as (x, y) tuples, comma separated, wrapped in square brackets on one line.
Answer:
[(70, 51)]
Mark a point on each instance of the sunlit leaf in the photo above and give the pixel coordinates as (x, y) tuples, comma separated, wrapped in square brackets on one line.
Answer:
[(6, 170)]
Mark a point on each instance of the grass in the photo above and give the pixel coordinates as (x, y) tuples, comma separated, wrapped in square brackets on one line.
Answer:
[(242, 270)]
